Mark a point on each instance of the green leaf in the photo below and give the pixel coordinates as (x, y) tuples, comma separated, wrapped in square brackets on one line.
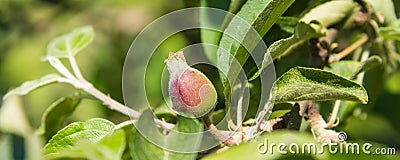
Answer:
[(68, 45), (282, 106), (207, 19), (294, 118), (278, 113), (301, 83), (330, 12), (142, 148), (217, 116), (385, 8), (389, 55), (235, 5), (29, 86), (54, 116), (110, 147), (260, 15), (250, 150), (302, 33), (390, 33), (91, 130), (366, 65), (287, 24), (344, 68)]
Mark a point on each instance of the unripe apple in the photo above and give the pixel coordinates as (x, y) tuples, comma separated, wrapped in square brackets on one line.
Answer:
[(192, 93)]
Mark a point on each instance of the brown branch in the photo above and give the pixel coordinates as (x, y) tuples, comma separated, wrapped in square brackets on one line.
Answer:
[(318, 125), (321, 48), (349, 49)]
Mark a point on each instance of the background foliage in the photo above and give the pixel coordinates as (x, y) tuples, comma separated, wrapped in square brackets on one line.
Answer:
[(26, 27)]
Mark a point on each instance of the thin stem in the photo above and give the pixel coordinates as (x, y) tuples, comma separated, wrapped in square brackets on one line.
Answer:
[(114, 105), (76, 69), (57, 64), (269, 125), (164, 125), (266, 110), (240, 107), (82, 83), (317, 124), (239, 113), (331, 123), (64, 80), (225, 139), (216, 133), (357, 54), (364, 57), (123, 124), (360, 77), (348, 50), (232, 126)]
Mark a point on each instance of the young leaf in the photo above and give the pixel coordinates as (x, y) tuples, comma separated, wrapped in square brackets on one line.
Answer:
[(302, 33), (29, 86), (390, 33), (301, 83), (350, 69), (330, 12), (71, 43), (366, 65), (91, 130), (54, 116), (109, 147), (344, 68), (141, 148), (326, 14), (260, 15)]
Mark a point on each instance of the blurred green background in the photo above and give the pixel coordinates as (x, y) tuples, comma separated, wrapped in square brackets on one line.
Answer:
[(26, 26)]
